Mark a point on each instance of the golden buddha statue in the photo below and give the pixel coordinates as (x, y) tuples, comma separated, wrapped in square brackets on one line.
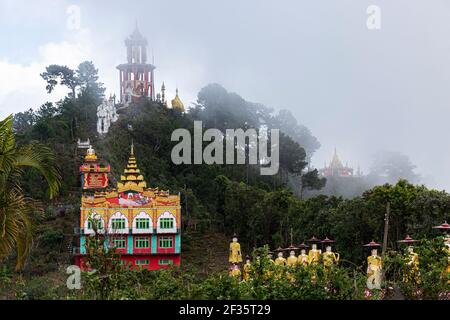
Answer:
[(314, 254), (280, 260), (447, 250), (329, 257), (235, 272), (412, 266), (374, 266), (267, 272), (235, 251), (447, 270), (292, 259), (447, 243), (246, 269), (302, 258)]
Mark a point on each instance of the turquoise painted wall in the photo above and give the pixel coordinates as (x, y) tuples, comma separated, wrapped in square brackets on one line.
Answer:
[(130, 244), (153, 243), (82, 244), (177, 243)]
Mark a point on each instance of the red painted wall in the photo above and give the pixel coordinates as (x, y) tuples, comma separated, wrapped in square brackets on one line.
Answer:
[(165, 250), (153, 259), (130, 260), (142, 250)]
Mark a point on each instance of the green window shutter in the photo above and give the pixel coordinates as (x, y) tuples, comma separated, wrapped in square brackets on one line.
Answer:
[(166, 223), (142, 242), (98, 223), (142, 223), (165, 262), (119, 243), (165, 242), (118, 223)]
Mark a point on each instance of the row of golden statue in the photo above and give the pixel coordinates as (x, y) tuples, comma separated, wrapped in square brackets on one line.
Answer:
[(313, 257), (329, 258)]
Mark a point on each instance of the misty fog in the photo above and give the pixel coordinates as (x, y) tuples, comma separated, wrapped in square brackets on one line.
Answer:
[(358, 90)]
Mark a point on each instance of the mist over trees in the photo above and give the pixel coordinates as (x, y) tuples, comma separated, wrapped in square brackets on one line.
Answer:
[(220, 109), (286, 121), (387, 167), (391, 166)]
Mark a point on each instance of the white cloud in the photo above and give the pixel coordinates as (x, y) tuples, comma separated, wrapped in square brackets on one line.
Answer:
[(22, 85)]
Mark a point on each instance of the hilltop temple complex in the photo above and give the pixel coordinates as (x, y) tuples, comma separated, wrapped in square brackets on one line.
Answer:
[(337, 169), (137, 82), (142, 224)]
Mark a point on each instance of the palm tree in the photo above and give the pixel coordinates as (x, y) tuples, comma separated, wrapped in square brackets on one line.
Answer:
[(17, 210)]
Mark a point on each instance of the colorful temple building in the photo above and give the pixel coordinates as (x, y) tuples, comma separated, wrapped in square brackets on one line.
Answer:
[(142, 224), (337, 169)]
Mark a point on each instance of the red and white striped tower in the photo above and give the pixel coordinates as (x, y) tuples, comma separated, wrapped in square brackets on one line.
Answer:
[(136, 76)]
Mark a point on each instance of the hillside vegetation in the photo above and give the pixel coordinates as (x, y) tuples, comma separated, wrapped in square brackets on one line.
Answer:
[(217, 200)]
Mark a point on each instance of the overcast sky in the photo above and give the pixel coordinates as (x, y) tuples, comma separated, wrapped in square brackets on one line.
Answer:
[(358, 90)]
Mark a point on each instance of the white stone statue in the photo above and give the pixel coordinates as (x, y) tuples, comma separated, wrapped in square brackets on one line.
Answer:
[(106, 114)]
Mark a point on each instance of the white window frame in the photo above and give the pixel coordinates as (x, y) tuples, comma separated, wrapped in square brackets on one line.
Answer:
[(170, 230), (140, 216)]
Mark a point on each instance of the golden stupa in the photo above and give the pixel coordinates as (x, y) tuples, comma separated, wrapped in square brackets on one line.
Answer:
[(176, 102)]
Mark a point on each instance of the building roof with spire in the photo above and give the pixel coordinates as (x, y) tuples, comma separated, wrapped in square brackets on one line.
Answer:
[(176, 102), (136, 37), (132, 179), (336, 168), (131, 191), (336, 162)]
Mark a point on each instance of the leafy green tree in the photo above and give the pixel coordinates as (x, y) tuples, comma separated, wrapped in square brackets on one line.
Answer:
[(16, 210), (311, 181), (64, 74), (87, 76), (431, 282), (23, 122)]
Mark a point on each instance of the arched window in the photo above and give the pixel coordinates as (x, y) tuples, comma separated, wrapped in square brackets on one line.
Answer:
[(167, 223), (94, 221), (118, 223), (142, 223)]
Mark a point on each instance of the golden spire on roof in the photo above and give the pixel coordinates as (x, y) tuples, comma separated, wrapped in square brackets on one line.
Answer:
[(176, 102), (132, 179)]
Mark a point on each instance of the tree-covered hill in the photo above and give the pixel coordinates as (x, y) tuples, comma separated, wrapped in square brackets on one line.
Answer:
[(225, 198)]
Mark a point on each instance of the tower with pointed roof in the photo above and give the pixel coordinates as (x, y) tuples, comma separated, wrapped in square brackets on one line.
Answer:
[(163, 94), (132, 180), (136, 76)]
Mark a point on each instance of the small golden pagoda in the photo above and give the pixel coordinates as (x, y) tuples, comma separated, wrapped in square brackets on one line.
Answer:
[(90, 156), (176, 102), (132, 179)]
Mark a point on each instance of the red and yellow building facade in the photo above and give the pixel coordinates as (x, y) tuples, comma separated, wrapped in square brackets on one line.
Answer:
[(142, 224)]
